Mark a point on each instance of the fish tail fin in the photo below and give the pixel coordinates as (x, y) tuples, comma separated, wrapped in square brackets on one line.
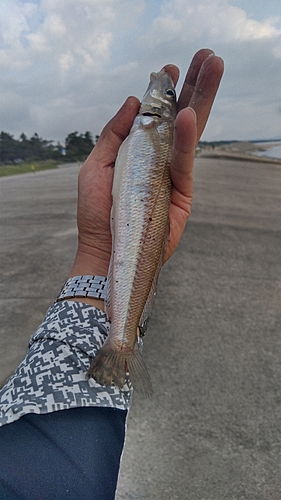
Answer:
[(110, 366), (138, 372)]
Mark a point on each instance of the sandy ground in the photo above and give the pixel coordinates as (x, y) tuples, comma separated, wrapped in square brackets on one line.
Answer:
[(212, 429)]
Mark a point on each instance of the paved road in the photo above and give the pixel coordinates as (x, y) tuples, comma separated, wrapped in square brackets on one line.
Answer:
[(212, 430)]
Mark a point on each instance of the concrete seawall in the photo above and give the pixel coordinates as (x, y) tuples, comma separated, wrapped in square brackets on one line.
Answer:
[(212, 428)]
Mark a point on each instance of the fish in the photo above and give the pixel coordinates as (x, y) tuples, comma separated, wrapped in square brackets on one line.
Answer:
[(141, 194)]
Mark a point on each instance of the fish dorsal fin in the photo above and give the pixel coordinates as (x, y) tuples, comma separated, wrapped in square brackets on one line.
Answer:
[(154, 76)]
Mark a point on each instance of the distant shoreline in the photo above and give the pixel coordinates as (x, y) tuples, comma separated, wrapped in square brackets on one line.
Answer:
[(238, 156), (238, 151)]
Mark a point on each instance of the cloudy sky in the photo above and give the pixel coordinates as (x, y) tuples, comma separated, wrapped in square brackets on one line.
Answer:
[(68, 65)]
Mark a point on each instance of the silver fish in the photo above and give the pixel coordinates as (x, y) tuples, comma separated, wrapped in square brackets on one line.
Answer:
[(140, 228)]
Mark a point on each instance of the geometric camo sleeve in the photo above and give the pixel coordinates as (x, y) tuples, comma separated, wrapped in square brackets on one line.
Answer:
[(52, 376)]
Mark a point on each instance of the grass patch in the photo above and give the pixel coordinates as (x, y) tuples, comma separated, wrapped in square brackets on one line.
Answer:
[(27, 166)]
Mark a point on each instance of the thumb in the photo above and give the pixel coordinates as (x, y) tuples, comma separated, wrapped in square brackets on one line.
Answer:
[(116, 131), (184, 151)]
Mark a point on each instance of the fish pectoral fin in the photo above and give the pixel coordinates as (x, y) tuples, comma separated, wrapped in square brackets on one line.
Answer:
[(147, 122), (110, 366)]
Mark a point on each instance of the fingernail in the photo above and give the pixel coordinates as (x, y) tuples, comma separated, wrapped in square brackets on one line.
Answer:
[(191, 110)]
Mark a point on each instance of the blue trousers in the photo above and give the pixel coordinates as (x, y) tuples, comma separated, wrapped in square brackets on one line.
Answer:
[(71, 454)]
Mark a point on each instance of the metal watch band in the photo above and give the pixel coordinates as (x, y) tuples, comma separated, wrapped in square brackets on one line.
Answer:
[(83, 286)]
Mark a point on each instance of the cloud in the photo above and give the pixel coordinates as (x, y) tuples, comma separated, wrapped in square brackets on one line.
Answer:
[(56, 32), (14, 109), (14, 22), (251, 85), (216, 20), (69, 65)]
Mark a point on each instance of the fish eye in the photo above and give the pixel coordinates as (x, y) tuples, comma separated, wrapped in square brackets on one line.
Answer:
[(170, 93)]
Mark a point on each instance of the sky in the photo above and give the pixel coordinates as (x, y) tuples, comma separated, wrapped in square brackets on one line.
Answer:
[(68, 65)]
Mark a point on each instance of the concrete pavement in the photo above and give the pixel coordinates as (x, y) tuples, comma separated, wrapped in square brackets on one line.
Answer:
[(212, 430)]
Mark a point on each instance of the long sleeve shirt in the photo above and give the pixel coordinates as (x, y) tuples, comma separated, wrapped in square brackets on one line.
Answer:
[(52, 376)]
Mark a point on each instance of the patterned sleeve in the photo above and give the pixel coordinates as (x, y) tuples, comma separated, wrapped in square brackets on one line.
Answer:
[(52, 375)]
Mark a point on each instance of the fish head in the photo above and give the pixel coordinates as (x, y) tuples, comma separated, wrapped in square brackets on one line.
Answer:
[(160, 98)]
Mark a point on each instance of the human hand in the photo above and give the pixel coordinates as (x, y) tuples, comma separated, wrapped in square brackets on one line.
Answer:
[(96, 175)]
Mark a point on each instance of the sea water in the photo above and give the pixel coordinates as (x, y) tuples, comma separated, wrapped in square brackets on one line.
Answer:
[(271, 149)]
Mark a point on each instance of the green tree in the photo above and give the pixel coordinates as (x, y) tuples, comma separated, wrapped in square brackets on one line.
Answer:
[(40, 148), (8, 148), (24, 147), (78, 146)]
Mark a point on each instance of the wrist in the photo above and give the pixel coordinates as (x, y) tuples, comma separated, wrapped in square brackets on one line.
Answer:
[(90, 261), (98, 303)]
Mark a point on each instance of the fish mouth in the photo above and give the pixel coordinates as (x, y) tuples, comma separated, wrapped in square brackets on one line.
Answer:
[(151, 114)]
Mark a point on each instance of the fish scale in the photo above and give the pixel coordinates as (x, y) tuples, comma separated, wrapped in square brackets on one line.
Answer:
[(139, 226)]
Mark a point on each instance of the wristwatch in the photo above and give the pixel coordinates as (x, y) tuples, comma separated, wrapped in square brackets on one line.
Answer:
[(83, 286)]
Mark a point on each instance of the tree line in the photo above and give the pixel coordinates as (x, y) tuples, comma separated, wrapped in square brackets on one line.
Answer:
[(77, 147)]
